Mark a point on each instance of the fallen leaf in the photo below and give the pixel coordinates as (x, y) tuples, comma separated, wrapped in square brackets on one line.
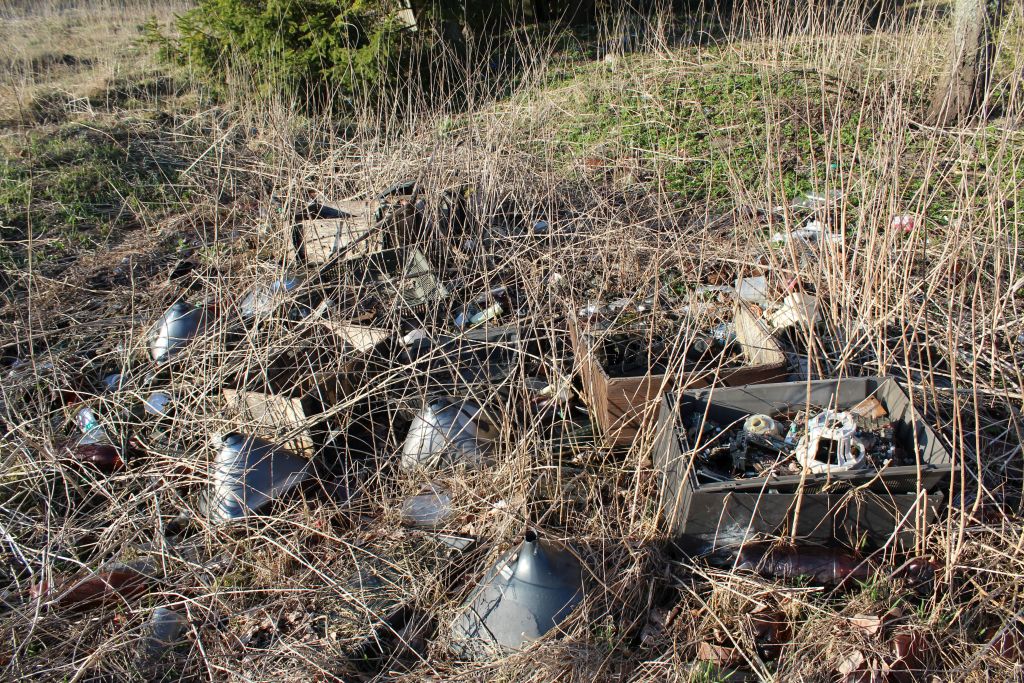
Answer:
[(719, 655), (868, 624), (852, 663)]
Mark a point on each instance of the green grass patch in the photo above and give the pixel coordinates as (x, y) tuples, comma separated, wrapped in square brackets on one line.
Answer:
[(76, 183), (711, 131)]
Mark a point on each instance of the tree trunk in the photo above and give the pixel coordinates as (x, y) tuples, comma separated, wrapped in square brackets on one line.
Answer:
[(962, 88)]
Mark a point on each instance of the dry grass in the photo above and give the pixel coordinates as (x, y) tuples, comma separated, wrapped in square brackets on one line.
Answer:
[(71, 52), (936, 307)]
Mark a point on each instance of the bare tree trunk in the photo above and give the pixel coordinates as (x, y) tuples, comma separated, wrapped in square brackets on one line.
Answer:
[(962, 88)]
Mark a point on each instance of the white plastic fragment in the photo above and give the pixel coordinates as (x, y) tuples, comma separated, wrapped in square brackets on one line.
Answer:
[(157, 403), (798, 308), (847, 452), (753, 289), (813, 231)]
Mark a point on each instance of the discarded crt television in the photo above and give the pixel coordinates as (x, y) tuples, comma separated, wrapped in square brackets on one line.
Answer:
[(248, 474), (175, 330), (529, 591), (622, 405), (703, 509), (449, 431)]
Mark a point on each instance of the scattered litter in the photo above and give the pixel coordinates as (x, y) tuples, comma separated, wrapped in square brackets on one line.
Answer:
[(528, 592), (164, 631), (821, 566), (104, 457), (753, 290), (429, 508), (263, 301), (347, 228), (814, 201), (813, 232), (831, 443), (360, 338), (158, 404), (175, 329), (92, 430), (739, 460), (486, 308), (272, 417), (249, 473), (113, 382), (904, 223), (796, 309), (449, 431)]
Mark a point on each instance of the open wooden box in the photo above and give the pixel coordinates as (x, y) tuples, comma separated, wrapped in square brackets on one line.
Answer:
[(622, 406)]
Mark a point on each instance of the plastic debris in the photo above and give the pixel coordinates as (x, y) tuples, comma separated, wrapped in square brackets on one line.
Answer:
[(175, 329), (429, 508), (113, 382), (446, 432), (904, 223), (753, 290), (831, 443), (248, 474), (815, 201), (797, 308), (498, 302), (164, 630), (92, 430), (157, 403), (527, 593), (95, 446), (811, 232), (262, 301)]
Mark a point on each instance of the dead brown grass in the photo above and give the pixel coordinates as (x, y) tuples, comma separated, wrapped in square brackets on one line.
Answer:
[(276, 599)]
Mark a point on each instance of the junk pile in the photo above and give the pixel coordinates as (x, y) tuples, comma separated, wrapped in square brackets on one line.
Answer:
[(825, 459), (822, 441), (397, 343)]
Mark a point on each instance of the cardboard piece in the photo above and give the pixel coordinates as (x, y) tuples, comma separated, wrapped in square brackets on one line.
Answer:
[(622, 406), (275, 418), (321, 238), (360, 338)]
